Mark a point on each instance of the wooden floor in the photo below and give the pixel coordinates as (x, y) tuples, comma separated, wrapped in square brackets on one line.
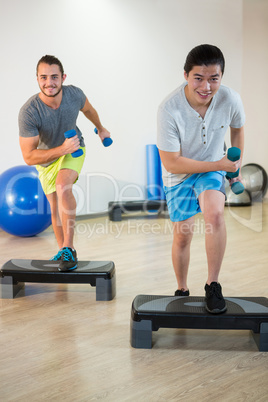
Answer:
[(59, 344)]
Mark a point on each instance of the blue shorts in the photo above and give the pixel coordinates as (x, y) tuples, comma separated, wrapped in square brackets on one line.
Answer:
[(182, 199)]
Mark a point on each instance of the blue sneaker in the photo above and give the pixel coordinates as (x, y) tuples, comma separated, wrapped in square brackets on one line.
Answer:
[(68, 260), (57, 257)]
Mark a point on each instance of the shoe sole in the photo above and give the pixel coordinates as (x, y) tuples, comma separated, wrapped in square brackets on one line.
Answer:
[(216, 310), (66, 270)]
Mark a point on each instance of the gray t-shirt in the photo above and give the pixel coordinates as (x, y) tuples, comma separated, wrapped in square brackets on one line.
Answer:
[(181, 129), (36, 118)]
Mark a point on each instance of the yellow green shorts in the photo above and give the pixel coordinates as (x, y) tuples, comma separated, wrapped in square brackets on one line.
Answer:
[(48, 175)]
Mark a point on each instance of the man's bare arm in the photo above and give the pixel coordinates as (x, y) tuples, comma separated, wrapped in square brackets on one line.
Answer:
[(177, 164), (237, 138), (34, 156), (92, 115)]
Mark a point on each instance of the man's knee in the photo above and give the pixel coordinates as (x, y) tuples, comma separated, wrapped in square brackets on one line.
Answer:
[(214, 217), (65, 181), (212, 205), (182, 234), (64, 189)]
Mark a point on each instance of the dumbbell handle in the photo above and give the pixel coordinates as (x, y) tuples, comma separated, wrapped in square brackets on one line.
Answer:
[(107, 141), (233, 154), (70, 134)]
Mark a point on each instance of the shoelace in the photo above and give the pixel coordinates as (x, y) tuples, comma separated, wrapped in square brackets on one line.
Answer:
[(215, 289), (57, 256), (67, 255)]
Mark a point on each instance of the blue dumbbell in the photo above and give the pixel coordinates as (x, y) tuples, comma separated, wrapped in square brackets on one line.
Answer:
[(70, 134), (107, 141), (233, 155)]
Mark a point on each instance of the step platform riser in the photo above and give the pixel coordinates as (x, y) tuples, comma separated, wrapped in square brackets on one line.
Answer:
[(15, 273), (117, 208), (149, 313)]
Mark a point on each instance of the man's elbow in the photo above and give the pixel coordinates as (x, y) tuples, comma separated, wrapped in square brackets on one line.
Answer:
[(172, 165), (28, 160), (173, 169), (169, 166), (170, 161)]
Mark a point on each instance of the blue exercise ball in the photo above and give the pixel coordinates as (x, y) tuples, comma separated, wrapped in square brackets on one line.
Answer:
[(24, 209)]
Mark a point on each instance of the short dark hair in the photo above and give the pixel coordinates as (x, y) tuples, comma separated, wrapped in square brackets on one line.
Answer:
[(50, 60), (204, 55)]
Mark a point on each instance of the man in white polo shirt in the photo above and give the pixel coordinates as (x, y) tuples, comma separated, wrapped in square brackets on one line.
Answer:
[(192, 123)]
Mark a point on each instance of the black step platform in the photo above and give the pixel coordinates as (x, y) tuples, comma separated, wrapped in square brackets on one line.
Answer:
[(116, 208), (149, 313), (15, 273)]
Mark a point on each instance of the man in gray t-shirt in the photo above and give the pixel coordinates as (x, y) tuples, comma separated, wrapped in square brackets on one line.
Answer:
[(192, 123), (43, 120), (37, 119)]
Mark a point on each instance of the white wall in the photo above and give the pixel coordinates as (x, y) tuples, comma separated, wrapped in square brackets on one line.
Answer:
[(254, 82), (126, 55)]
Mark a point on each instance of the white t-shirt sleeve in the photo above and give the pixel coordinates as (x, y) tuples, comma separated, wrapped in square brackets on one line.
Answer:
[(168, 138)]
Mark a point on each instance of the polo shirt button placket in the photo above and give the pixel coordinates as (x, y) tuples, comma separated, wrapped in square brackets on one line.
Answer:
[(204, 136)]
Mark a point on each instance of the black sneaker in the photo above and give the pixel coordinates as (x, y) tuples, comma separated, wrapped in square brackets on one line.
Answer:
[(215, 302), (182, 292), (57, 257), (68, 260)]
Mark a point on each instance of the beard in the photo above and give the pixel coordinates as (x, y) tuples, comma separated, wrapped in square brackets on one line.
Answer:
[(54, 95)]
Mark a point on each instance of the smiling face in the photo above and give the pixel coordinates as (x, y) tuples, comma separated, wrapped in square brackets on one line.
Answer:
[(203, 84), (50, 79)]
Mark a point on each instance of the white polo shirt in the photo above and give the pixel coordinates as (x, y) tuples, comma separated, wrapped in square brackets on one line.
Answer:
[(181, 129)]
